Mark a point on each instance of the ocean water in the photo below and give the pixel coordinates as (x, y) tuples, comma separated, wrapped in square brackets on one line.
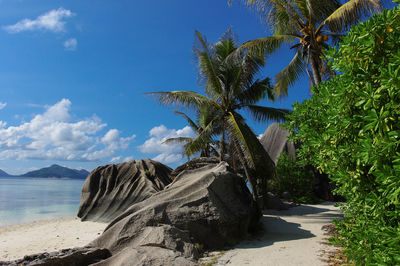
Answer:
[(24, 200)]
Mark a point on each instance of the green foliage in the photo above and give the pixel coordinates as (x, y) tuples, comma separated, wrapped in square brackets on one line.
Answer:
[(148, 173), (295, 179), (199, 247), (350, 130)]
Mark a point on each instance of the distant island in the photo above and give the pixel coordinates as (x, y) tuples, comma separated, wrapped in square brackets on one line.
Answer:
[(4, 174), (54, 170)]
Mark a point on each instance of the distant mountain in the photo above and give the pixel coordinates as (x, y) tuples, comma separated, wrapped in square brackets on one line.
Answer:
[(4, 174), (58, 172)]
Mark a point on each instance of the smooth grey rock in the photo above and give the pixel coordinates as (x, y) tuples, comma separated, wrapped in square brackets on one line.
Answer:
[(211, 206), (275, 203), (286, 195), (275, 142), (149, 256), (111, 189), (194, 164), (66, 257)]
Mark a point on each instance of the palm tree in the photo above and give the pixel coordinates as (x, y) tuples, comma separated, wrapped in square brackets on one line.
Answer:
[(208, 148), (230, 86), (306, 25)]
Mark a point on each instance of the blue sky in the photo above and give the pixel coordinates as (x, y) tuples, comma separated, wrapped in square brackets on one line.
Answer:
[(73, 76)]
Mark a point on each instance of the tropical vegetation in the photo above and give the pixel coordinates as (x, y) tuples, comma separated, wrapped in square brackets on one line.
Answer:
[(294, 178), (230, 86), (352, 121), (307, 26)]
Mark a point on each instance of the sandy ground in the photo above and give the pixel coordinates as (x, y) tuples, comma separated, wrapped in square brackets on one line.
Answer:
[(292, 237), (16, 241)]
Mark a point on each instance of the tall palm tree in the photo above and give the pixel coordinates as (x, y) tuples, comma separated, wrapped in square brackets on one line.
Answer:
[(208, 148), (230, 86), (307, 26)]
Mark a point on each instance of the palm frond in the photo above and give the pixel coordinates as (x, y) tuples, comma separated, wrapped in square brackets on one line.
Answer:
[(255, 154), (264, 113), (290, 74), (224, 48), (247, 67), (284, 16), (214, 151), (204, 137), (268, 45), (350, 13), (321, 9), (258, 90), (177, 140), (183, 98), (207, 67), (192, 124)]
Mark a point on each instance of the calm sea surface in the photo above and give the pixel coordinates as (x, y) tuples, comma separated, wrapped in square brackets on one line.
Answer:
[(27, 199)]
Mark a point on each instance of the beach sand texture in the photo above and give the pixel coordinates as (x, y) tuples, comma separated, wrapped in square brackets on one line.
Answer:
[(16, 241), (291, 237)]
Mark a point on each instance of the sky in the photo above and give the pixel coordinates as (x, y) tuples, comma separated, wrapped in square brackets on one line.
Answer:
[(74, 74)]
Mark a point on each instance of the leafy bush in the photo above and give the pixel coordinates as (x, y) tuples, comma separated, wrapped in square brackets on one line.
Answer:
[(350, 129), (295, 179)]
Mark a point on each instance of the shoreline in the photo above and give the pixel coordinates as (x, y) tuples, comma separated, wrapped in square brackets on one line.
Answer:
[(40, 236)]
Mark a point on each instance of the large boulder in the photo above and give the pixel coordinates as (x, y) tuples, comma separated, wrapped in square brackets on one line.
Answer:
[(210, 206), (275, 142), (111, 189), (194, 164), (66, 257)]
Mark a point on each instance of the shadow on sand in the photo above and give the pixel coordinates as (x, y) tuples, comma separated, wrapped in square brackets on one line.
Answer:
[(302, 210), (276, 229)]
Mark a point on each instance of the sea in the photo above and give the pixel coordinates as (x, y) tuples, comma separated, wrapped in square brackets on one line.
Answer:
[(24, 200)]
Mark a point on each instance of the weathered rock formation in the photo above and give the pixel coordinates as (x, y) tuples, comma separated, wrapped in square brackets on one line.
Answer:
[(194, 164), (275, 142), (111, 189), (210, 206), (65, 257)]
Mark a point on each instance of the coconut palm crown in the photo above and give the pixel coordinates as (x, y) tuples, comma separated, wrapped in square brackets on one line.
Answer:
[(231, 86), (307, 26)]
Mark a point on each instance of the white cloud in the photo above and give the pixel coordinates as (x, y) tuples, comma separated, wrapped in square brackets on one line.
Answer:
[(53, 136), (127, 159), (71, 44), (115, 159), (2, 105), (50, 21), (166, 153), (114, 142)]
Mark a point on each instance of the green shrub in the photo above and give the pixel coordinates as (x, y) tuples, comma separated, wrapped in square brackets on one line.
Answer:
[(295, 179), (350, 129)]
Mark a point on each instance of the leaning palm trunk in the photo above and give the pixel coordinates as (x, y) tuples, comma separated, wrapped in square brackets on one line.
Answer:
[(222, 146), (252, 181), (315, 70)]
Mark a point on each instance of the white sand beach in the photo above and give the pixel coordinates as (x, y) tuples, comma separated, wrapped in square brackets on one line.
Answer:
[(16, 241), (291, 237)]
